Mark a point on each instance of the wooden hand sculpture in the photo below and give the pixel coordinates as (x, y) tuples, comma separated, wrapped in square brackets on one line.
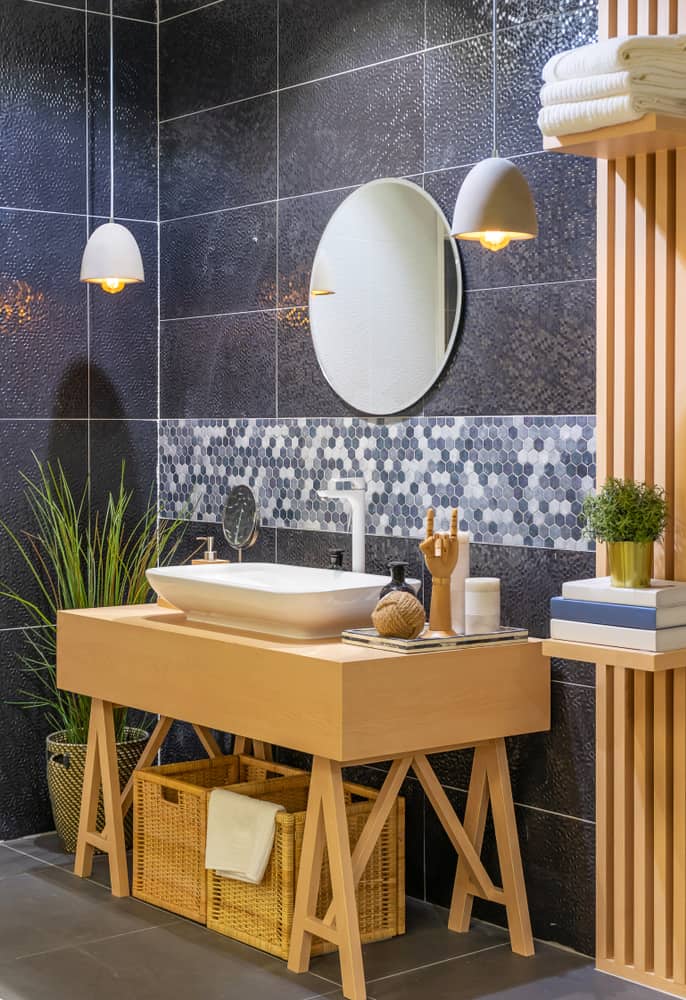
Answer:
[(440, 555)]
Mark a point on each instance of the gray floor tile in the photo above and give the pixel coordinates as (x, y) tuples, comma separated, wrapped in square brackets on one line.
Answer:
[(45, 847), (48, 908), (13, 863), (553, 974), (180, 960), (427, 940)]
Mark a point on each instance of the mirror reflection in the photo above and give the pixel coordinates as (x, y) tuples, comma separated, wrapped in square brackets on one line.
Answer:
[(385, 296)]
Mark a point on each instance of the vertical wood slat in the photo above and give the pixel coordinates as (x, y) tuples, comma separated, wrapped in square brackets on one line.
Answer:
[(623, 422), (644, 318), (622, 808), (679, 502), (663, 823), (679, 798), (604, 815), (643, 819)]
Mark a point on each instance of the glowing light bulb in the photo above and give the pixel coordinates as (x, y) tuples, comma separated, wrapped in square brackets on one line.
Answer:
[(112, 285), (494, 240), (322, 291)]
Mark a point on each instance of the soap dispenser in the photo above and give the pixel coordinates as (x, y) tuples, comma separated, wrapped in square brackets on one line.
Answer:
[(398, 570), (210, 553)]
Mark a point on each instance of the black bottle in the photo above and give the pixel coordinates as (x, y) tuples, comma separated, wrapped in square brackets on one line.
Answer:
[(397, 581), (335, 558)]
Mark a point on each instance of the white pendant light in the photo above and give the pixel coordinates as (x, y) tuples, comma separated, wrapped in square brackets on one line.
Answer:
[(494, 204), (112, 258)]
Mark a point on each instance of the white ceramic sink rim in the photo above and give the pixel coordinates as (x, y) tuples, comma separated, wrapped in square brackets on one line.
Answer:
[(271, 598)]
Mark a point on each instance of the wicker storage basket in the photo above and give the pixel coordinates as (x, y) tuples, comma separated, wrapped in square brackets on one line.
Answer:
[(170, 827), (262, 915)]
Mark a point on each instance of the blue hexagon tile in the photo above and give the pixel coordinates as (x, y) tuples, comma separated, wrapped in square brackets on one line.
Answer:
[(517, 480)]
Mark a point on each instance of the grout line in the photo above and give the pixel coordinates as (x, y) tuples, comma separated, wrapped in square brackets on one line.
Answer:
[(80, 10), (277, 212), (442, 961), (215, 107), (573, 684), (239, 312), (193, 10), (83, 945), (71, 215), (531, 284), (221, 211), (88, 287)]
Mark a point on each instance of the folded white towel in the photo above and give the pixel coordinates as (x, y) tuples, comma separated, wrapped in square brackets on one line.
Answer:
[(633, 83), (240, 835), (583, 116), (667, 52)]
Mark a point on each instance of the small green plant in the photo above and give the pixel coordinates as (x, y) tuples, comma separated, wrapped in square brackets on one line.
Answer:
[(626, 511), (77, 558)]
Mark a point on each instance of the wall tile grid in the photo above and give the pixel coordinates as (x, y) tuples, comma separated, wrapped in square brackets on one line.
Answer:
[(256, 152), (79, 368)]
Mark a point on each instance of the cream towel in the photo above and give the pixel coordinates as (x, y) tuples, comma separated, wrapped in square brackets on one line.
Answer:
[(645, 84), (583, 116), (240, 835), (666, 52)]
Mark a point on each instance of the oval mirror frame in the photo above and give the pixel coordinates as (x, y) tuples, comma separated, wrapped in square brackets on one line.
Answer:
[(240, 519), (318, 293)]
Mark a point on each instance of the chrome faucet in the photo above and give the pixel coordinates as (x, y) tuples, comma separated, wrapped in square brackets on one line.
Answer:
[(351, 490)]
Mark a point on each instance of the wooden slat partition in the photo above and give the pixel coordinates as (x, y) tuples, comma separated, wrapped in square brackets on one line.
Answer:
[(641, 405)]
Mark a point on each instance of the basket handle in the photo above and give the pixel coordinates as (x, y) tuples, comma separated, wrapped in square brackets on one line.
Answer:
[(60, 758)]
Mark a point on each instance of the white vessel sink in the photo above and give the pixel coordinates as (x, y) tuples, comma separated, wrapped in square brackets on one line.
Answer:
[(291, 601)]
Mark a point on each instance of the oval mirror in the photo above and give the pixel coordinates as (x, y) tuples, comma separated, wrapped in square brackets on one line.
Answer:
[(385, 296), (240, 519)]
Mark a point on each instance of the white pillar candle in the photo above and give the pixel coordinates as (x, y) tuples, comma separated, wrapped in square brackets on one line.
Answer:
[(457, 581), (482, 604)]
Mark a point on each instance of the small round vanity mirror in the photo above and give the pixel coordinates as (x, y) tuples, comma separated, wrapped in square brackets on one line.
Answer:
[(240, 519), (385, 296)]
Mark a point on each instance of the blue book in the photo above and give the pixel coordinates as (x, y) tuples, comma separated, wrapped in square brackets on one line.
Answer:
[(618, 615)]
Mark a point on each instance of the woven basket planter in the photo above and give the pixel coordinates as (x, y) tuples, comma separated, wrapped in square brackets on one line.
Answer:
[(66, 764)]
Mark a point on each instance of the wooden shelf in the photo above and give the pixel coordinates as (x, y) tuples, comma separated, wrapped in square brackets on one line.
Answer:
[(649, 134), (633, 659)]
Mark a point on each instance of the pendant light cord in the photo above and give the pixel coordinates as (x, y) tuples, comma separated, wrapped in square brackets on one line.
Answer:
[(494, 56), (111, 111)]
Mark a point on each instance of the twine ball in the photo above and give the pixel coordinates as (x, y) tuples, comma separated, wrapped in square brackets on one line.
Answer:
[(399, 614)]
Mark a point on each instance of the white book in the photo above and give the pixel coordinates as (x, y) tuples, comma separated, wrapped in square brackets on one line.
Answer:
[(661, 593), (662, 640)]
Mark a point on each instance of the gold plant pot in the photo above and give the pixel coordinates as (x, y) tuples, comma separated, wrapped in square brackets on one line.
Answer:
[(631, 563)]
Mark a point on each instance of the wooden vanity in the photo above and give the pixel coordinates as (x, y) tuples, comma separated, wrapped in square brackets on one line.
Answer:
[(342, 704)]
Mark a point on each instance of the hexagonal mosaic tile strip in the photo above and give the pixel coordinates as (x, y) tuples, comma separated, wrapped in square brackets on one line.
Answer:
[(517, 480)]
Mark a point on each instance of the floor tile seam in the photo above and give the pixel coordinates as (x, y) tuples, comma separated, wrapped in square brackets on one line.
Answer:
[(441, 961), (82, 946)]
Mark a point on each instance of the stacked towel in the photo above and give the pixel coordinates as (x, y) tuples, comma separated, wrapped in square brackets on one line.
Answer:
[(240, 835), (615, 81)]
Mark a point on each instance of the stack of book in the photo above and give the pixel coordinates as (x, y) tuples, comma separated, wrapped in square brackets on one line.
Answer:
[(593, 611)]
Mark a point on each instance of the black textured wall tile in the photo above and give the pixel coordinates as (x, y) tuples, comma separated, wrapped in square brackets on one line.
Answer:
[(135, 126), (295, 547), (453, 769), (218, 53), (555, 770), (351, 128), (42, 107), (218, 159), (54, 441), (264, 549), (458, 103), (344, 34), (24, 802), (225, 262), (382, 549), (558, 859), (172, 8), (219, 367), (135, 443), (302, 222), (519, 11), (447, 21), (123, 341), (563, 188), (573, 672), (43, 322), (142, 10), (303, 389), (528, 579), (182, 744), (414, 798), (528, 349), (522, 54)]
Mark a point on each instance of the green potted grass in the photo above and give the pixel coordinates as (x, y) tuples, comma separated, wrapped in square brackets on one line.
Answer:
[(79, 558), (629, 517)]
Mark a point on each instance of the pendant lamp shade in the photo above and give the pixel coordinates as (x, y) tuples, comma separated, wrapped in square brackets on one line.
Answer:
[(494, 205), (112, 258)]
